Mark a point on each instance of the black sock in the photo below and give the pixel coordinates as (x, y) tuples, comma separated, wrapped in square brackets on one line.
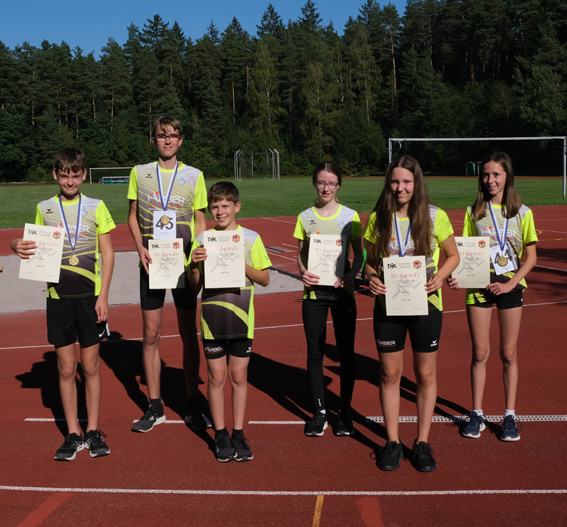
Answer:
[(157, 404), (221, 432), (236, 433)]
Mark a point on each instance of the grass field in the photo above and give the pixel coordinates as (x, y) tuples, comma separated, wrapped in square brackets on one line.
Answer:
[(284, 197)]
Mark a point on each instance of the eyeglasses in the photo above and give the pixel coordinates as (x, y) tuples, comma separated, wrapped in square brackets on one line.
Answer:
[(171, 137), (322, 184)]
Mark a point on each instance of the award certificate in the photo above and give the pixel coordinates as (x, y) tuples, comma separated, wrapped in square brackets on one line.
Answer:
[(224, 266), (474, 268), (167, 270), (327, 257), (405, 279), (45, 264)]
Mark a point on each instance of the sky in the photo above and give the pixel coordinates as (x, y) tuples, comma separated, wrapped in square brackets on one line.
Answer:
[(89, 24)]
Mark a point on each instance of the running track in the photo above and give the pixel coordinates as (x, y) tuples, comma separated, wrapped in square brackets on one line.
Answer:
[(169, 476)]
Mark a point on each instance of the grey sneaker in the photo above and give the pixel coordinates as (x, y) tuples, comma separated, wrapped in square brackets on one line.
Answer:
[(151, 418), (72, 444), (509, 429), (241, 449), (95, 443), (196, 419), (475, 426), (344, 425), (316, 427)]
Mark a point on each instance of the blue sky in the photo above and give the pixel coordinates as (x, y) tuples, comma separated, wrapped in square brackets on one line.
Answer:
[(90, 24)]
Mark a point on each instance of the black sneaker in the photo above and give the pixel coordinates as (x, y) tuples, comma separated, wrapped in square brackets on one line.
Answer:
[(95, 443), (196, 419), (422, 458), (344, 425), (509, 429), (151, 418), (224, 451), (241, 449), (73, 443), (390, 455), (316, 427)]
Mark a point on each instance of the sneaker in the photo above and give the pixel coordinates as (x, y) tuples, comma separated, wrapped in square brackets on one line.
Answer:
[(95, 443), (73, 443), (316, 427), (224, 451), (344, 425), (241, 449), (149, 420), (196, 419), (509, 429), (422, 458), (474, 427), (390, 455)]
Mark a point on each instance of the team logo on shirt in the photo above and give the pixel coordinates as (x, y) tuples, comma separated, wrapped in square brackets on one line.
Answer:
[(49, 211), (181, 179), (84, 211), (341, 222)]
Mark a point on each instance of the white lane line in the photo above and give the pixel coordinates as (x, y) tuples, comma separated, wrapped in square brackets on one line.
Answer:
[(279, 221), (374, 419), (203, 492)]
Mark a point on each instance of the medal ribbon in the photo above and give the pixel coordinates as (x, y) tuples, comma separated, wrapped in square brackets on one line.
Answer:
[(403, 248), (501, 241), (72, 243), (164, 205)]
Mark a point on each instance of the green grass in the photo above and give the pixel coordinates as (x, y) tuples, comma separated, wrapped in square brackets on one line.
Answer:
[(284, 197)]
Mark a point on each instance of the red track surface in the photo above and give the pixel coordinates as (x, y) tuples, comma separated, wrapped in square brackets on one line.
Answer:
[(169, 476)]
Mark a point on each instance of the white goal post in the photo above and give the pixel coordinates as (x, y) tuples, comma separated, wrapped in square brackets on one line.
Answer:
[(563, 138)]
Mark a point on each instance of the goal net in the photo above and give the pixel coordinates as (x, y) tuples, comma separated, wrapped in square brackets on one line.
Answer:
[(261, 165)]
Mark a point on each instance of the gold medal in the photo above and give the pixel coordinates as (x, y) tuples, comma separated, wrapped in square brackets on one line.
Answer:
[(74, 260), (165, 219), (502, 261)]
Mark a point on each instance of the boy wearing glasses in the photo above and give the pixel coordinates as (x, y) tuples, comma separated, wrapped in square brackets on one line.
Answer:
[(167, 200)]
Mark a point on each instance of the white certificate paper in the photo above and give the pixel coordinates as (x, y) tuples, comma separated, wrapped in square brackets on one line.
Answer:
[(45, 264), (405, 279), (327, 257), (167, 270), (474, 268), (224, 266)]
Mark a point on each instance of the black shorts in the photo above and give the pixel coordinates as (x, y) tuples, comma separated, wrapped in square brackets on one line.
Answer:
[(68, 319), (216, 349), (151, 299), (505, 301), (390, 332)]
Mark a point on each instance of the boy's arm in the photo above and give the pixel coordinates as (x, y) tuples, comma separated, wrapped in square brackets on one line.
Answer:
[(258, 276), (198, 255), (200, 222), (107, 254), (137, 234), (23, 248)]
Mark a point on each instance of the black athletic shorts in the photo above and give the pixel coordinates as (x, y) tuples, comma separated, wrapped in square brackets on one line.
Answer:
[(68, 319), (215, 349), (151, 299), (390, 332), (505, 301)]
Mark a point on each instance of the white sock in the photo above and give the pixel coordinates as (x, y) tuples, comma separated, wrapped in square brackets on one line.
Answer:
[(510, 412), (478, 412)]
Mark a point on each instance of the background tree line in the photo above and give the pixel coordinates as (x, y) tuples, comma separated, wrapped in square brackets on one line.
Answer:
[(446, 68)]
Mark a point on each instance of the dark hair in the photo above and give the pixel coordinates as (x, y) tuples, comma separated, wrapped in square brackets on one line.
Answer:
[(69, 159), (223, 190), (328, 166), (418, 211), (166, 120), (511, 201)]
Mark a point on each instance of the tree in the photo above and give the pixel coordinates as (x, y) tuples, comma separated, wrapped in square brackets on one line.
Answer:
[(271, 24)]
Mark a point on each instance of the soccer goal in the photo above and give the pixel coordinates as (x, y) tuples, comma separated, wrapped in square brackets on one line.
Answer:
[(264, 164), (400, 140), (109, 175)]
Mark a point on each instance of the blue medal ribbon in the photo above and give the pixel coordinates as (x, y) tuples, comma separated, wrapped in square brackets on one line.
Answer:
[(402, 248), (501, 241), (72, 243), (164, 204)]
